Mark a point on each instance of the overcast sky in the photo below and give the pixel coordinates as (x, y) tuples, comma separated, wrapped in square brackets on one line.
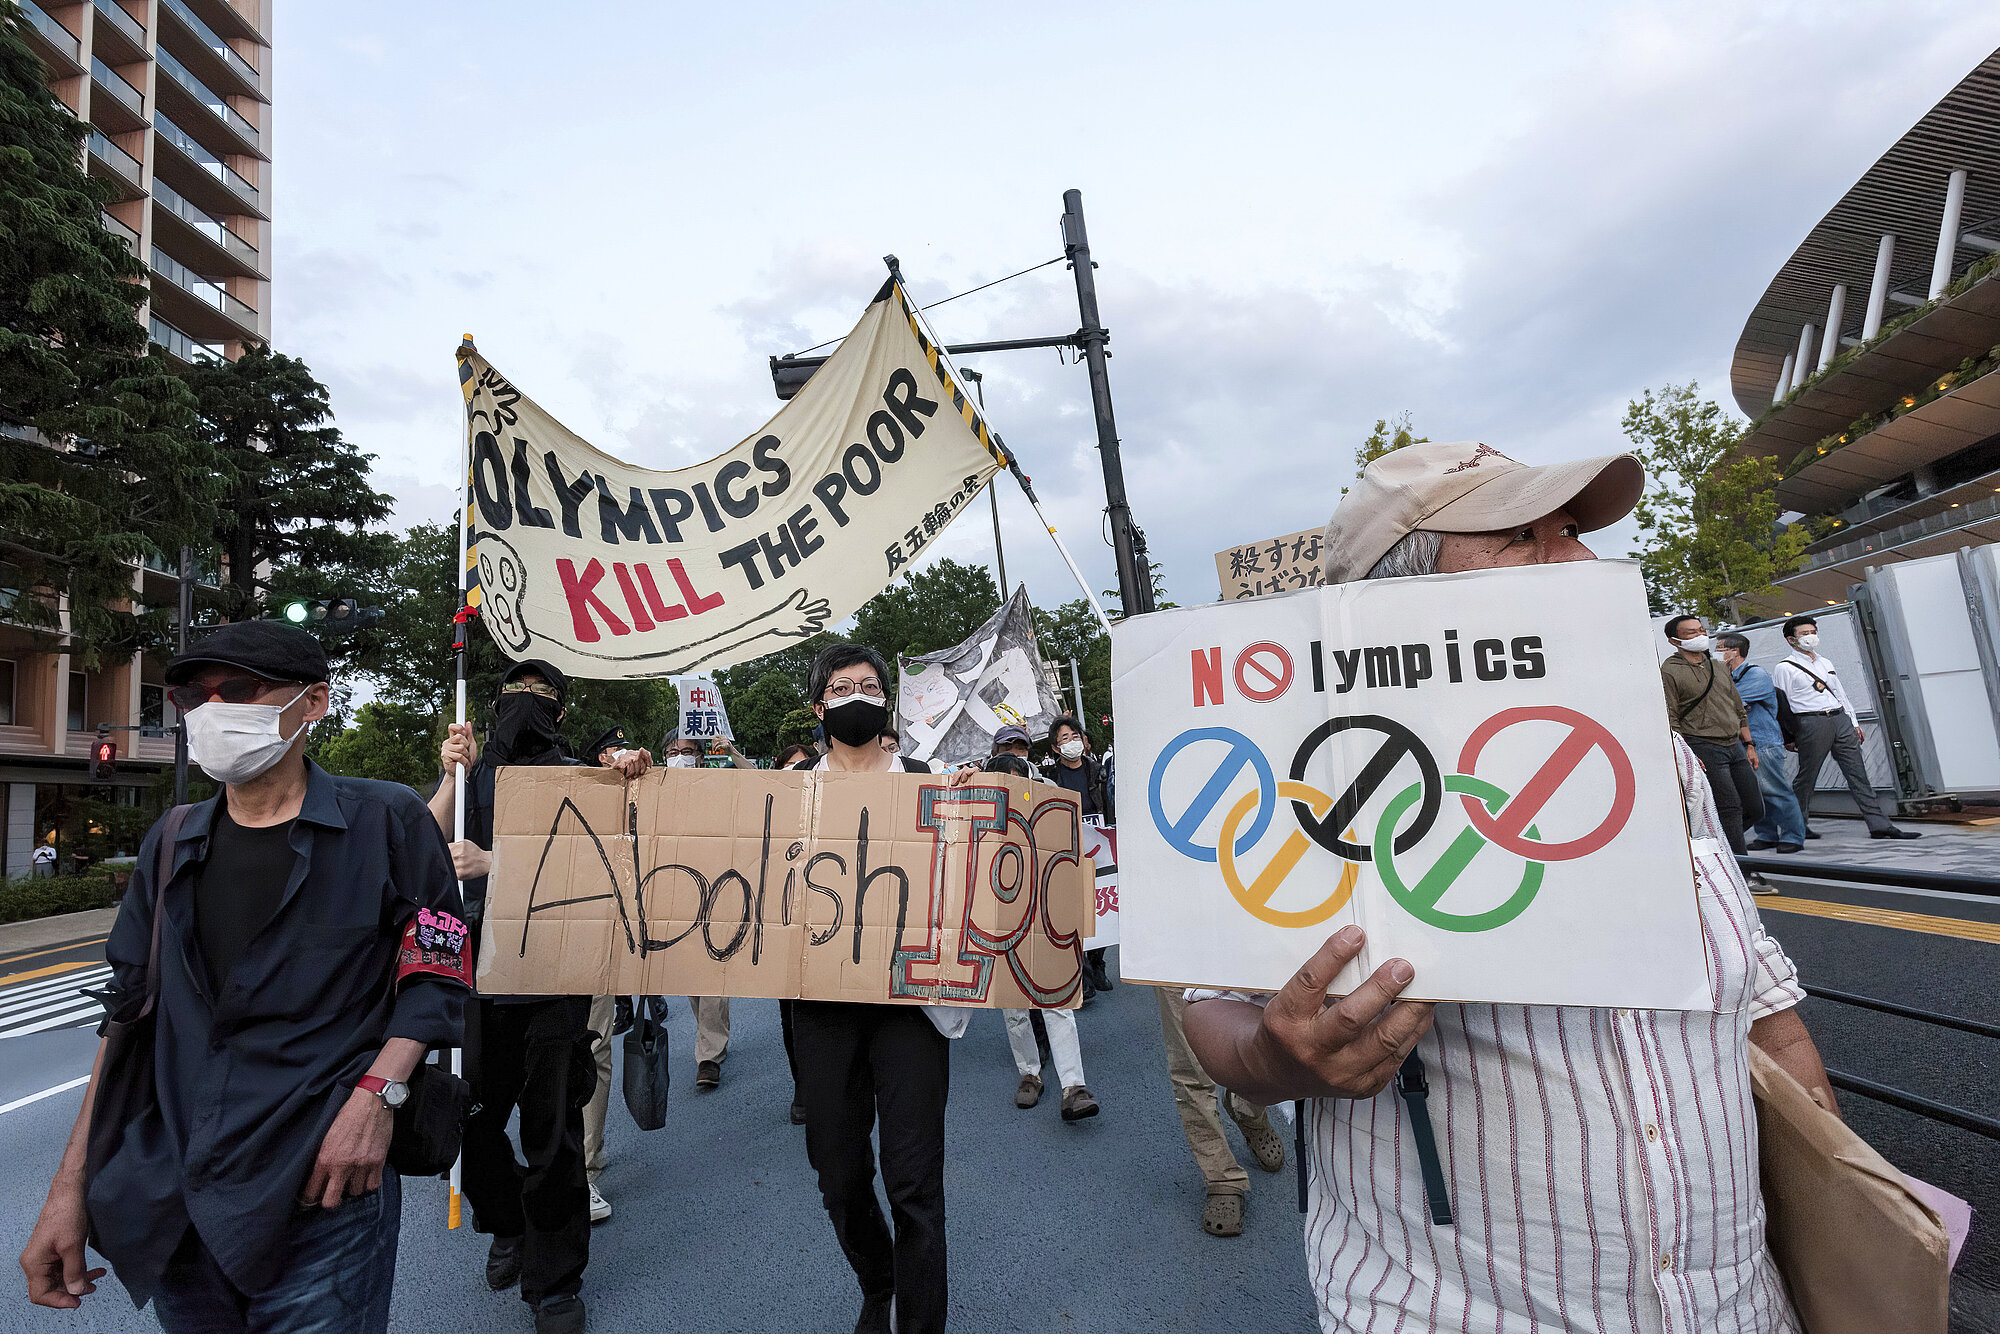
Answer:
[(1507, 220)]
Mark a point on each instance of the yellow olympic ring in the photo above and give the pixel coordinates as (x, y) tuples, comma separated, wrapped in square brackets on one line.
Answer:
[(1257, 896)]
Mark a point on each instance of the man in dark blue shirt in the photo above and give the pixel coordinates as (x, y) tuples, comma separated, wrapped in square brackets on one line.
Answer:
[(294, 1001)]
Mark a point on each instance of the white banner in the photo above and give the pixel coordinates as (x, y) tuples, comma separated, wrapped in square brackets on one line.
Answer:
[(1475, 768), (703, 716), (952, 702), (1100, 844), (611, 571)]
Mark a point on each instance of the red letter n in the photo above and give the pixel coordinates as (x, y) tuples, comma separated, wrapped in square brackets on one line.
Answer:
[(1207, 676), (582, 595)]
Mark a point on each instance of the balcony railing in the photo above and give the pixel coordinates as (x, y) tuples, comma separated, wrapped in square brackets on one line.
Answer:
[(1942, 522), (165, 196), (114, 83), (61, 38), (209, 39), (121, 231), (207, 161), (117, 158), (202, 289), (222, 111), (122, 21), (206, 574), (179, 344)]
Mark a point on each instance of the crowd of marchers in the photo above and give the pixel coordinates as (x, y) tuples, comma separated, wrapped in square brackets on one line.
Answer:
[(291, 949)]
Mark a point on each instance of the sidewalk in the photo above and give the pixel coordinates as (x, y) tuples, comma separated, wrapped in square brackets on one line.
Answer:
[(16, 937), (1946, 848)]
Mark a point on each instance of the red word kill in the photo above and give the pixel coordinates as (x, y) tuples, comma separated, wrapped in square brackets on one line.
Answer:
[(642, 597)]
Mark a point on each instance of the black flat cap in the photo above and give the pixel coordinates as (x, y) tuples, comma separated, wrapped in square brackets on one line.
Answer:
[(612, 736), (547, 671), (270, 649)]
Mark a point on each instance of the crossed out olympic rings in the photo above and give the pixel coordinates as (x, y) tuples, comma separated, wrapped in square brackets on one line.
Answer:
[(1494, 816)]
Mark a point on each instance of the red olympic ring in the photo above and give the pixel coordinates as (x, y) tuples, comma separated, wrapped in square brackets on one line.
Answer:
[(1505, 826)]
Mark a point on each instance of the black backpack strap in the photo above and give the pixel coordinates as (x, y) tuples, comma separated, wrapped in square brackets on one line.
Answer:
[(1299, 1147), (1694, 703), (1415, 1091)]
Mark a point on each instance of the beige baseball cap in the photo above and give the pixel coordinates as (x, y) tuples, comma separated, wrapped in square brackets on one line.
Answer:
[(1468, 488)]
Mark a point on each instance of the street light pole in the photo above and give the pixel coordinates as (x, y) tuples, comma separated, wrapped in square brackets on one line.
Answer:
[(186, 614), (992, 491), (1135, 585)]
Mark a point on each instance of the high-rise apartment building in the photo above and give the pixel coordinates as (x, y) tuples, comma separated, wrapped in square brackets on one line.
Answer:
[(177, 98)]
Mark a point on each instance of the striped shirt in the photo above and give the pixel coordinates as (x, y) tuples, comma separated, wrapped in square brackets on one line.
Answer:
[(1602, 1164)]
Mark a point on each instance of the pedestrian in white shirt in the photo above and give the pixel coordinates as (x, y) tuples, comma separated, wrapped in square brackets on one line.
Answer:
[(1824, 724), (1570, 1169)]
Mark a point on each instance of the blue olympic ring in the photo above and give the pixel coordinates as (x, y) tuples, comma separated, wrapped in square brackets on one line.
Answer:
[(1180, 833)]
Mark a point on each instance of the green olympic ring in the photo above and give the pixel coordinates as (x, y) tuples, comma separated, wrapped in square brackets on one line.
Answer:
[(1421, 902)]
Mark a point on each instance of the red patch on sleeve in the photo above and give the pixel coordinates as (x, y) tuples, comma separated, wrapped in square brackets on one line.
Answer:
[(434, 943)]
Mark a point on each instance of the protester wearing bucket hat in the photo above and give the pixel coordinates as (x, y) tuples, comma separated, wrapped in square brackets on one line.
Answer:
[(309, 950), (526, 1053), (1599, 1144)]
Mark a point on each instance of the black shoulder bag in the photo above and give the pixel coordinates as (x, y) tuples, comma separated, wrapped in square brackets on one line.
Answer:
[(125, 1087)]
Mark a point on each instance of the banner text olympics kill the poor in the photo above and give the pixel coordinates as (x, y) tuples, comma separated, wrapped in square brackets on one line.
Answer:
[(733, 882), (1474, 768), (611, 571)]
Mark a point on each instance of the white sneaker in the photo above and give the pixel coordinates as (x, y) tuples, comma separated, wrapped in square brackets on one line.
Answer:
[(600, 1208)]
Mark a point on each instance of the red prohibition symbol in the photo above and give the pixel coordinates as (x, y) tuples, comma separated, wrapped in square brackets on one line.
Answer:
[(1505, 826), (1263, 671)]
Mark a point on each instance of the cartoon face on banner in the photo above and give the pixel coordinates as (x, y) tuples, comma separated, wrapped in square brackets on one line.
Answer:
[(504, 581), (1475, 769)]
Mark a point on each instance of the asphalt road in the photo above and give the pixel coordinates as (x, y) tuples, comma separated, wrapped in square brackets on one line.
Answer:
[(1093, 1226)]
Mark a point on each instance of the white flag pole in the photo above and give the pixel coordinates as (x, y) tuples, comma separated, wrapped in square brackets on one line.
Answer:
[(461, 627), (1013, 466)]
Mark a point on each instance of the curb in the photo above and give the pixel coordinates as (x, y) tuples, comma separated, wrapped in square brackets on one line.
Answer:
[(58, 930)]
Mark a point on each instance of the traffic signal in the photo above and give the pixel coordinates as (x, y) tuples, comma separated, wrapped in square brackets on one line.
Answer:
[(789, 374), (104, 759), (337, 616)]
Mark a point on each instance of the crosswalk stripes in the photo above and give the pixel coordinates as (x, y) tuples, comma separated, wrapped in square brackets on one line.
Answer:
[(52, 1002)]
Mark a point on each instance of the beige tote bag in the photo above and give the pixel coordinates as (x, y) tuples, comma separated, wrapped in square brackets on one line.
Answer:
[(1860, 1253)]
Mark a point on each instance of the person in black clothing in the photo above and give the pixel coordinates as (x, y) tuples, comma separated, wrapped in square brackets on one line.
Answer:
[(531, 1053), (309, 952), (858, 1063), (1073, 766)]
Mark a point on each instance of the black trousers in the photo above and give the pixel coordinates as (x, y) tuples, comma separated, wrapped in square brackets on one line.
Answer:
[(858, 1062), (1739, 802), (536, 1057), (1820, 735), (791, 1045)]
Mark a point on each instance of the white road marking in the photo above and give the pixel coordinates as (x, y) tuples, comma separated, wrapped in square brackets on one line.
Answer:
[(45, 1093)]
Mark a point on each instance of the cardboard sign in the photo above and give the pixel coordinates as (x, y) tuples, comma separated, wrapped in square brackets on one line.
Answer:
[(888, 888), (1275, 565), (1474, 768), (1100, 845), (611, 571)]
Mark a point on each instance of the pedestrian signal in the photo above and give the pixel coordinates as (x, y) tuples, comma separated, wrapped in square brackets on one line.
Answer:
[(104, 759)]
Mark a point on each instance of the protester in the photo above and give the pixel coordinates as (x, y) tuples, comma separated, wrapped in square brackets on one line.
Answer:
[(711, 1013), (789, 758), (890, 741), (1825, 724), (857, 1061), (1599, 1166), (1073, 766), (1010, 740), (529, 1054), (1200, 1105), (1702, 705), (1060, 1025), (1783, 827), (294, 1001), (792, 754), (607, 1018)]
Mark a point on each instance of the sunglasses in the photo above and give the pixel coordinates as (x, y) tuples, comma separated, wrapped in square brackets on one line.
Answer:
[(230, 690)]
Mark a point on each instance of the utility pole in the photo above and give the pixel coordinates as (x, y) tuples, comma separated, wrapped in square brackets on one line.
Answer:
[(1135, 584), (186, 599), (992, 490)]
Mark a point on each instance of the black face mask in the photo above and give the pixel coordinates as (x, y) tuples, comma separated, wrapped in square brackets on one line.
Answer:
[(856, 720), (524, 727)]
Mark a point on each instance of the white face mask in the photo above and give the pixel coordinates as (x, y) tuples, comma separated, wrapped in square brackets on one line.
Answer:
[(1071, 749), (1698, 644), (1808, 640), (683, 761), (234, 743)]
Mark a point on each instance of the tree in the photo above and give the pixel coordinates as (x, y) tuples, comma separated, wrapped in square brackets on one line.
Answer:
[(298, 492), (1386, 438), (1072, 632), (119, 477), (1711, 539), (928, 609), (758, 714), (393, 742)]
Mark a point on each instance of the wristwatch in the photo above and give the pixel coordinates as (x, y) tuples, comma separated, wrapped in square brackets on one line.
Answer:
[(393, 1092)]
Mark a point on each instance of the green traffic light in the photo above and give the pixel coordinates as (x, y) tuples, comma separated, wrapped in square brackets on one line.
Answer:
[(296, 612)]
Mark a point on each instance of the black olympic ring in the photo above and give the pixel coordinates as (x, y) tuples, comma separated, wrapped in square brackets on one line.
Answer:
[(1402, 741)]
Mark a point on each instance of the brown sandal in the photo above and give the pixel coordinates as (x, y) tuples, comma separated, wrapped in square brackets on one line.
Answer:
[(1223, 1216)]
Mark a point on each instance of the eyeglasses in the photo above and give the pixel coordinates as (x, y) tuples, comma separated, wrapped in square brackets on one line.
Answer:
[(230, 690), (542, 688), (842, 688)]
